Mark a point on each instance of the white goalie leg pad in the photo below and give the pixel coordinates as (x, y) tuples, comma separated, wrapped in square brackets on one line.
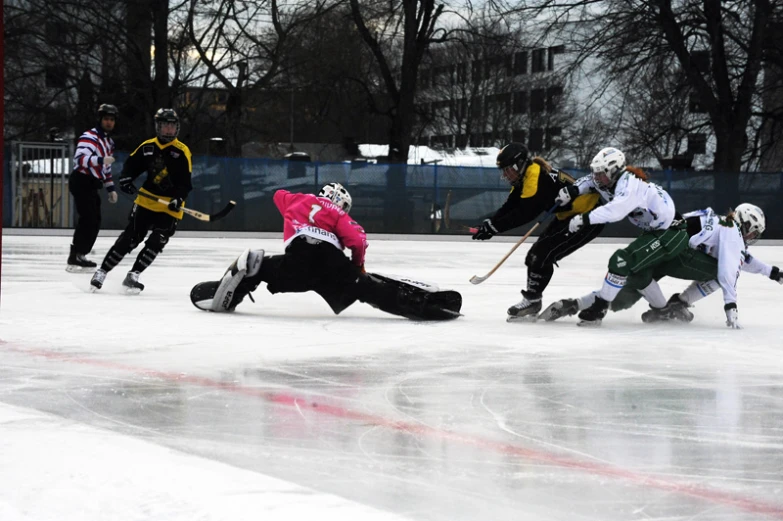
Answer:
[(247, 264)]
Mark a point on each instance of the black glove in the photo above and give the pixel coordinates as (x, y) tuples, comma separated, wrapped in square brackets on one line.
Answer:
[(175, 204), (776, 275), (485, 231), (127, 186)]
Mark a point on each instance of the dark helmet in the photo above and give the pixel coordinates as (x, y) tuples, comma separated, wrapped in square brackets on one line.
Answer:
[(511, 160), (166, 116), (107, 110)]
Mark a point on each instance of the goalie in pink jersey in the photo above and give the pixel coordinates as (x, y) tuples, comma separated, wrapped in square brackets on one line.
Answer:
[(316, 230)]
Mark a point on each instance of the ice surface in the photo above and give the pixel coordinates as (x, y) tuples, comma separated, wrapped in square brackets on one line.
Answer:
[(143, 407)]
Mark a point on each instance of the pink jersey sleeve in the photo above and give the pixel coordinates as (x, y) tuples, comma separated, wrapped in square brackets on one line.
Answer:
[(303, 211), (352, 236)]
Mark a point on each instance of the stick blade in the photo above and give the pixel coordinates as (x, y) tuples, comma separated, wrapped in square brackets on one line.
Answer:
[(222, 213), (475, 279)]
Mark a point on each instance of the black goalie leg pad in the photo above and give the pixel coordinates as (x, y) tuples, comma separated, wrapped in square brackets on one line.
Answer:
[(408, 300)]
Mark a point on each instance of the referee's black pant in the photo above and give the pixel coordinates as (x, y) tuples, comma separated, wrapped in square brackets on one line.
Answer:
[(85, 190)]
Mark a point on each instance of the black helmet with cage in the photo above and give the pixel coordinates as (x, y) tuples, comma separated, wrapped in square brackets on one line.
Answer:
[(512, 161), (166, 117)]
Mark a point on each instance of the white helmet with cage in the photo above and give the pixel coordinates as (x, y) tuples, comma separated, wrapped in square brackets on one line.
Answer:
[(751, 221), (607, 166), (337, 193)]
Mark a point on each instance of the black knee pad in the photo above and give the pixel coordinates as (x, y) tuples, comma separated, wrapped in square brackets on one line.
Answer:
[(127, 242), (157, 241), (535, 261)]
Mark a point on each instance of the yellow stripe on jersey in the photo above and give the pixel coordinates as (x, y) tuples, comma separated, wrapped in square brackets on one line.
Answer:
[(176, 144), (582, 204), (155, 206), (530, 182)]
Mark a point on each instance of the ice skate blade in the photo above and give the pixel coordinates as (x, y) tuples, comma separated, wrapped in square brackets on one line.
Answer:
[(132, 291), (526, 318), (93, 289), (79, 269), (588, 324)]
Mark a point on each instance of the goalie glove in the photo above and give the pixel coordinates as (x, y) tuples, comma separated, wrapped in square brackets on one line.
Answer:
[(486, 231), (731, 315), (776, 275)]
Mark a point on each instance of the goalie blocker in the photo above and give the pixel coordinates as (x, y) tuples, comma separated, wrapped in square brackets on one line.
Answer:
[(334, 278)]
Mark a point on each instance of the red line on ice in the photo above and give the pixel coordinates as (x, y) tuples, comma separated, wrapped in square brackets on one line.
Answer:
[(285, 399)]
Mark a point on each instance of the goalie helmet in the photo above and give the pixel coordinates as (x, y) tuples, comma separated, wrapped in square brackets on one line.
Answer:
[(512, 161), (751, 221), (607, 166), (166, 117), (337, 193)]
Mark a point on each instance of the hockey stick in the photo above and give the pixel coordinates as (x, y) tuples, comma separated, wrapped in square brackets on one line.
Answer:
[(201, 216), (475, 279)]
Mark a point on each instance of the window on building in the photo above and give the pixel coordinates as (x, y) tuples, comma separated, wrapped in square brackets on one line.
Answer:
[(701, 60), (520, 103), (537, 101), (56, 76), (536, 143), (539, 61), (553, 137), (553, 96), (694, 104), (697, 143), (558, 49), (462, 73), (520, 136), (475, 108), (520, 63), (424, 79), (476, 71)]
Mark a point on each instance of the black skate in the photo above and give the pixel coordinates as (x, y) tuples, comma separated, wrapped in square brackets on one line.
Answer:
[(97, 280), (527, 309), (592, 316), (675, 309), (560, 309), (132, 284), (78, 263)]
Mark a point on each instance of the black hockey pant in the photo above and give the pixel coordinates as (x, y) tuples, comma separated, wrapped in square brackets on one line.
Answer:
[(141, 221), (85, 190), (554, 244)]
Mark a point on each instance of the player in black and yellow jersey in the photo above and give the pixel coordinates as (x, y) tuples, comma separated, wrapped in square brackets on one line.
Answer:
[(168, 164), (534, 186)]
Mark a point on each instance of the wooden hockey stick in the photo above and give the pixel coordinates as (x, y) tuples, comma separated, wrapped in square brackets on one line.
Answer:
[(201, 216), (475, 279)]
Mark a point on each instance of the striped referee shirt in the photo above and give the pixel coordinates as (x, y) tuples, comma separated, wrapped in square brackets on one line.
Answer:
[(91, 148)]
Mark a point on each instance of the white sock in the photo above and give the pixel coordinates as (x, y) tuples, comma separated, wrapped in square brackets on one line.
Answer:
[(698, 290), (653, 294), (612, 285), (587, 300)]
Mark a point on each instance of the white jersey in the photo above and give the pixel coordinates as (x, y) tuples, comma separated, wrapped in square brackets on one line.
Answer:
[(647, 205), (722, 239)]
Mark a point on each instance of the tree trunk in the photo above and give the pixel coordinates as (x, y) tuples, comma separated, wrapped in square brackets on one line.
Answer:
[(160, 20), (726, 166)]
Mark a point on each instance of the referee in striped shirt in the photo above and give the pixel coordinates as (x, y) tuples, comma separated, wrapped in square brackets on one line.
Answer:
[(91, 172)]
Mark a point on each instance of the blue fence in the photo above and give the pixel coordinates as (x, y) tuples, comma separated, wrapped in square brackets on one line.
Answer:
[(406, 198)]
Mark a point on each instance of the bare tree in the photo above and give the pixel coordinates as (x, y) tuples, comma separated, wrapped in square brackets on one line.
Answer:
[(718, 46), (398, 34)]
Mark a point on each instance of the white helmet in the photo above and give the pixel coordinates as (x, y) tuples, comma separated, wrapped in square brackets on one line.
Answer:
[(337, 193), (751, 221), (607, 166)]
